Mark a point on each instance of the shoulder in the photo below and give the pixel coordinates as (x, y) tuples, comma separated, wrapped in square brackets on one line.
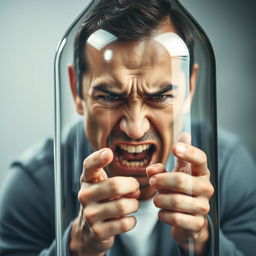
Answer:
[(27, 197), (227, 143), (31, 174), (233, 152), (37, 159), (237, 175)]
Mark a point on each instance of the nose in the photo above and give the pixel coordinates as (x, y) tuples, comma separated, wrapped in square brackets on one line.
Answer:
[(135, 123)]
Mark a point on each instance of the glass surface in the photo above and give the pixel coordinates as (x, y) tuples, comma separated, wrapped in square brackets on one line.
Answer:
[(149, 92)]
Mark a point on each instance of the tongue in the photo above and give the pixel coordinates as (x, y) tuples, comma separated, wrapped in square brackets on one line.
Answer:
[(134, 156)]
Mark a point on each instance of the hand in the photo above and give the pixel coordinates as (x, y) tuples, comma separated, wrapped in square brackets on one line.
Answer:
[(105, 204), (183, 196)]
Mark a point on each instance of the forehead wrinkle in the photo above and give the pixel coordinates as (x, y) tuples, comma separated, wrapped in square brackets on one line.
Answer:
[(135, 85), (126, 81), (140, 86)]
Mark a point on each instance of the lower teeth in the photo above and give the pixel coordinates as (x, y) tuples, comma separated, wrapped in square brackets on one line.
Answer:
[(134, 163)]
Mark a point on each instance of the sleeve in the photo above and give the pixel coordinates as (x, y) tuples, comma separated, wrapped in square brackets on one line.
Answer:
[(27, 215), (237, 193)]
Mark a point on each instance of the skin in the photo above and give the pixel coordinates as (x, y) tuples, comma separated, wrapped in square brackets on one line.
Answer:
[(109, 192)]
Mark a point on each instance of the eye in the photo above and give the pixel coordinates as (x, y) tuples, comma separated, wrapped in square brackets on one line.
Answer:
[(160, 100), (161, 97), (109, 98)]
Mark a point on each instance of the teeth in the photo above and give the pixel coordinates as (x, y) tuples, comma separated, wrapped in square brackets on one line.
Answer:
[(134, 149), (145, 147), (134, 163), (139, 149), (131, 149)]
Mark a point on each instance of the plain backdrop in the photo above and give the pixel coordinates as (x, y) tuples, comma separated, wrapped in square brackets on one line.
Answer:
[(31, 29)]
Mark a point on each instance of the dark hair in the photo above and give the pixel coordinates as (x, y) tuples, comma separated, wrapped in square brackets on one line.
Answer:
[(128, 20)]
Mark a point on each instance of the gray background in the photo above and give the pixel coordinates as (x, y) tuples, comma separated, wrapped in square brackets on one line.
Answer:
[(31, 29)]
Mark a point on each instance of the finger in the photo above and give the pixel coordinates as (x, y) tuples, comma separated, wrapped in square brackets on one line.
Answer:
[(108, 210), (104, 230), (181, 164), (196, 157), (93, 166), (154, 169), (187, 222), (182, 183), (135, 194), (182, 203), (108, 189)]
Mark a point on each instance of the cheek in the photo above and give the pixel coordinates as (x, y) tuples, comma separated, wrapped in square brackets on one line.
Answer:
[(168, 123), (162, 120), (99, 125)]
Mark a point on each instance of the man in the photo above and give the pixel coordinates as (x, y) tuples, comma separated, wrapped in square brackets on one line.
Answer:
[(133, 118)]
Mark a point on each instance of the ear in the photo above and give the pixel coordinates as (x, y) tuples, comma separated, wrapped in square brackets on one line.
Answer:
[(72, 82), (193, 78)]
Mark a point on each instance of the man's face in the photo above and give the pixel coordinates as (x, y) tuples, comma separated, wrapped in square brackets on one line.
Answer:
[(134, 96)]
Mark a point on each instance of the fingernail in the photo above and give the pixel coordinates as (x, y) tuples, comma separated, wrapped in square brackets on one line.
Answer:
[(152, 181), (103, 156), (181, 148)]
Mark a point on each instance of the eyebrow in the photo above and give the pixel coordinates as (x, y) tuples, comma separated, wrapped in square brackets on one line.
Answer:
[(103, 88), (168, 87)]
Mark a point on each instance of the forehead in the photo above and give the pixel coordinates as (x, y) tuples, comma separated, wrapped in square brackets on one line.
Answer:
[(133, 55), (151, 58)]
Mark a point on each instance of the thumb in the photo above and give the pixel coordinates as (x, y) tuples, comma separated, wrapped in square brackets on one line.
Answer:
[(182, 165), (93, 165)]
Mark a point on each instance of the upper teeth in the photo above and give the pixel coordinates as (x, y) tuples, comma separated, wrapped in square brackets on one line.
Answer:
[(134, 149)]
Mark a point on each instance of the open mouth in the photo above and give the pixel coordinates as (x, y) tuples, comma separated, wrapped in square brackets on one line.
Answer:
[(134, 156)]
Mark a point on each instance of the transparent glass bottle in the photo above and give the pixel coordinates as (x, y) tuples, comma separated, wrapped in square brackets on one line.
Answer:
[(190, 52)]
